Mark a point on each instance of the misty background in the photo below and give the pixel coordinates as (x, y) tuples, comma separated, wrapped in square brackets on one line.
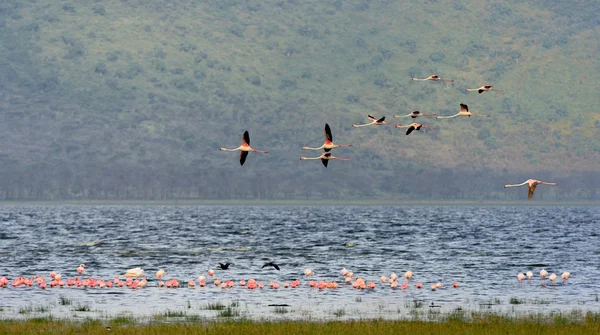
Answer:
[(132, 99)]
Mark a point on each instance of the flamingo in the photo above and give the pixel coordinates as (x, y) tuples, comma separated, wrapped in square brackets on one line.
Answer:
[(565, 276), (464, 111), (81, 268), (532, 185), (414, 115), (520, 277), (135, 272), (483, 89), (328, 144), (434, 77), (245, 148), (325, 158), (374, 121), (160, 273), (412, 127)]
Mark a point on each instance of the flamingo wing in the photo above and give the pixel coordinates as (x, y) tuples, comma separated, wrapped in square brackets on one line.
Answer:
[(324, 161), (410, 130), (480, 91), (372, 118), (243, 156), (419, 126), (487, 87), (464, 108), (328, 136), (531, 190), (246, 139), (433, 76), (381, 120)]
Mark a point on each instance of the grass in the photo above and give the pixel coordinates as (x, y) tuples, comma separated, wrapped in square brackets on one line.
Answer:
[(82, 308), (515, 301), (62, 300), (229, 312), (281, 310), (215, 306), (484, 324), (174, 314), (339, 313)]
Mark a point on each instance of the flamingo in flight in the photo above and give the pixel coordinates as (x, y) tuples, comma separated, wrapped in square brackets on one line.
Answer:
[(244, 148), (374, 121), (412, 127), (325, 158), (328, 144), (434, 77), (483, 89), (414, 115), (464, 111), (532, 185)]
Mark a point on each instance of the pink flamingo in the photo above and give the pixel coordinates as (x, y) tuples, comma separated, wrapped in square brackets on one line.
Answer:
[(81, 268), (325, 158), (328, 144), (414, 115), (412, 127), (434, 77), (374, 121), (532, 185), (464, 111), (483, 89), (245, 148)]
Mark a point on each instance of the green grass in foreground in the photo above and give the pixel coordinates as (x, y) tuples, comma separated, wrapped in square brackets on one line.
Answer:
[(487, 325)]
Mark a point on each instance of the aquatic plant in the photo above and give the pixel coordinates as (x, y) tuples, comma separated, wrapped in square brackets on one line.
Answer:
[(281, 310), (62, 300), (82, 308), (229, 312), (215, 306)]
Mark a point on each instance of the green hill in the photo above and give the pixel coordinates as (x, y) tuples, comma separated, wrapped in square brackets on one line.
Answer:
[(132, 99)]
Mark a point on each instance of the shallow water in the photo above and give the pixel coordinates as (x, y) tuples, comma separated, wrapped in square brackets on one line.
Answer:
[(482, 248)]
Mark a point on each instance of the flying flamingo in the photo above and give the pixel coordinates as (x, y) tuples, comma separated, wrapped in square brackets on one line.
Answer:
[(244, 148), (464, 111), (328, 144), (375, 122), (532, 185), (483, 89), (412, 127), (434, 77), (414, 115), (325, 158)]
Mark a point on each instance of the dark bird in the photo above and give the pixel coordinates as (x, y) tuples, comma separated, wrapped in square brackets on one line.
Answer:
[(224, 266), (271, 264)]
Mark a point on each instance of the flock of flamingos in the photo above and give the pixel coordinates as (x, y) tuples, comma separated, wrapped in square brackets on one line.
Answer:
[(328, 144), (347, 278)]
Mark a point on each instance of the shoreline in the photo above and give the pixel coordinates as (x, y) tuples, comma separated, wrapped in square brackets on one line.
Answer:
[(350, 202)]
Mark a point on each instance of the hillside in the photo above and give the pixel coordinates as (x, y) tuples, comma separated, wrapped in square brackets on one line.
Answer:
[(132, 99)]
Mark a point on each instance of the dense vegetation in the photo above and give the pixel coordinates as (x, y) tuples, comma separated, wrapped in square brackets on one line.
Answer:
[(131, 99)]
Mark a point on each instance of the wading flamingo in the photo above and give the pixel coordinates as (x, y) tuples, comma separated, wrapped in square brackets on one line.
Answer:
[(245, 148), (328, 144), (414, 115), (412, 127), (434, 77), (483, 89), (565, 276), (464, 111), (325, 158), (136, 272), (81, 268), (374, 121), (532, 185)]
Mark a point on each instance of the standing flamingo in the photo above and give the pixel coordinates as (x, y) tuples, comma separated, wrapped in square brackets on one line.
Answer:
[(374, 121), (532, 185), (412, 127), (328, 144), (245, 148), (414, 115), (325, 158), (434, 77), (483, 89), (464, 111)]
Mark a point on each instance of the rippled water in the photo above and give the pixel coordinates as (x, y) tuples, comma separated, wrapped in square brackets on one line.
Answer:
[(483, 248)]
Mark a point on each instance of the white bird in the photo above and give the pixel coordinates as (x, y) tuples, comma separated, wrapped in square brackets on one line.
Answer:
[(414, 115), (464, 111), (483, 89), (529, 274), (325, 158), (543, 273), (434, 77), (374, 121), (532, 185), (344, 271), (245, 148), (309, 272), (393, 276), (135, 272), (328, 144)]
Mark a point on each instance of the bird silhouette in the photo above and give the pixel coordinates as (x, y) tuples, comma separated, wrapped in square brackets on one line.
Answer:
[(224, 266), (271, 264)]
